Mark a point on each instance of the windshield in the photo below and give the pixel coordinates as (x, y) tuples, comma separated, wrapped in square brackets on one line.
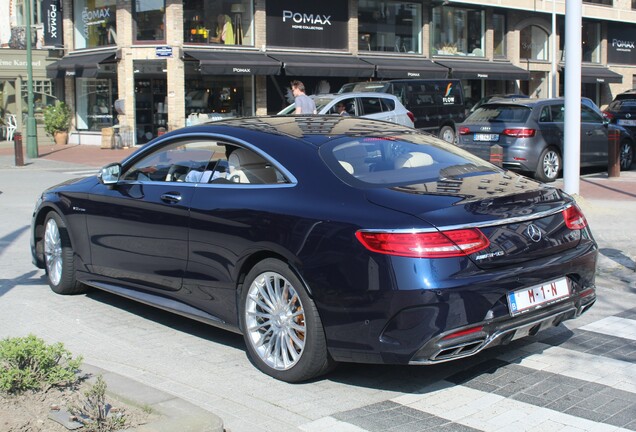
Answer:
[(400, 160)]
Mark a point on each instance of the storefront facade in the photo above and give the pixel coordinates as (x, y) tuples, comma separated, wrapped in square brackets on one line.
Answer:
[(174, 63)]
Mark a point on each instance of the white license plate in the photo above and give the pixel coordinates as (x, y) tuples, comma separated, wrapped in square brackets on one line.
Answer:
[(623, 122), (486, 137), (538, 296)]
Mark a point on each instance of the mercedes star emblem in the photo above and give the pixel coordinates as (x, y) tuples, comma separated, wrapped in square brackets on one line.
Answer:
[(533, 232)]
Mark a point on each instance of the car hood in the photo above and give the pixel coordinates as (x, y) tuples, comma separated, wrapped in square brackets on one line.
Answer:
[(502, 205)]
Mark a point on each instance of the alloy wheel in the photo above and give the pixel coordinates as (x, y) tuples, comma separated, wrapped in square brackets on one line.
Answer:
[(551, 165), (275, 321), (53, 251)]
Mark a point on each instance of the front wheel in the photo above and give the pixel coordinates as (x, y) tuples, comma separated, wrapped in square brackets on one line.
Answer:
[(549, 165), (626, 155), (281, 326), (447, 133), (59, 258)]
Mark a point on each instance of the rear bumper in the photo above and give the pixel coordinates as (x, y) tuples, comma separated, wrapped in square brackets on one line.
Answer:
[(445, 348)]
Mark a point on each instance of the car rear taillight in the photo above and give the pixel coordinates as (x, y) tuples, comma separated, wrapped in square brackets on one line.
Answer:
[(608, 115), (519, 132), (439, 244), (463, 130), (411, 116), (574, 218)]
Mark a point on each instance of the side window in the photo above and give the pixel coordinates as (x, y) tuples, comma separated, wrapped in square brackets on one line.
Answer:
[(172, 162), (545, 117), (245, 166), (589, 116), (558, 113), (387, 104), (371, 105)]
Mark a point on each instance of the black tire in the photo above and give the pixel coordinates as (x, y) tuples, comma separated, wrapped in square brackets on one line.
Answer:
[(549, 165), (59, 258), (447, 133), (291, 346), (626, 155)]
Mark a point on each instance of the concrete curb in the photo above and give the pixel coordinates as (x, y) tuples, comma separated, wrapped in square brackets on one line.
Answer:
[(175, 414)]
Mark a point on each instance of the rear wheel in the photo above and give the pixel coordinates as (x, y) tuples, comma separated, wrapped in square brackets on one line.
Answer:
[(549, 165), (447, 133), (59, 258), (626, 155), (281, 326)]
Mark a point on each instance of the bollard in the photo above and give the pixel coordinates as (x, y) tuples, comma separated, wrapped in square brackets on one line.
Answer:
[(613, 154), (496, 155), (17, 148)]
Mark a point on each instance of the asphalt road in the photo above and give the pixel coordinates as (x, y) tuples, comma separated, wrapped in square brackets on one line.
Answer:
[(580, 376)]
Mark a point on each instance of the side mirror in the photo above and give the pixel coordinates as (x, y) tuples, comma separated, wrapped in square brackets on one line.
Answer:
[(109, 174)]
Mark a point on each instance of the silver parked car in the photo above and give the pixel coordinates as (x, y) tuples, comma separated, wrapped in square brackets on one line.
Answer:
[(530, 133), (378, 106)]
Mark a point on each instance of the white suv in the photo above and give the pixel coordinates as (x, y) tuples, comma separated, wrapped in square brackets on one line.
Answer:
[(378, 106)]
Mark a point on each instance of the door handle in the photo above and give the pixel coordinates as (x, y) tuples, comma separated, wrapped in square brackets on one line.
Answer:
[(589, 133), (171, 198)]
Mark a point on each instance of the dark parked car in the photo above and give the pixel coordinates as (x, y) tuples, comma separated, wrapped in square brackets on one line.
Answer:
[(436, 104), (323, 239), (531, 132), (622, 110)]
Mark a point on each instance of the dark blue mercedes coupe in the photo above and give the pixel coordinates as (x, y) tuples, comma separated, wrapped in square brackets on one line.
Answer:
[(323, 239)]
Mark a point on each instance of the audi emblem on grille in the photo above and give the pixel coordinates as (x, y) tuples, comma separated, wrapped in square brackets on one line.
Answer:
[(533, 233)]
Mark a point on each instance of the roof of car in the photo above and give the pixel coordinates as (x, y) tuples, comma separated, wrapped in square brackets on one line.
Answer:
[(320, 127)]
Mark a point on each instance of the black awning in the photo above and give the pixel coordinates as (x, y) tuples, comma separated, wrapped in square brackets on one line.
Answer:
[(324, 65), (487, 70), (235, 62), (396, 67), (600, 75), (84, 65)]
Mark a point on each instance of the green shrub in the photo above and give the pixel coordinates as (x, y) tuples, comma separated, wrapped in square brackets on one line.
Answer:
[(57, 118), (28, 363)]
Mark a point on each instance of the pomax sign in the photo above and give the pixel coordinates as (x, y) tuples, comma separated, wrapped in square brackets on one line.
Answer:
[(291, 23)]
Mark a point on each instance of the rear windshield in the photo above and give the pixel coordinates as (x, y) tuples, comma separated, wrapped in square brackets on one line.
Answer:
[(500, 113), (399, 160)]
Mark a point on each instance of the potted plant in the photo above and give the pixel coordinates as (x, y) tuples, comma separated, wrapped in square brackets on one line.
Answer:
[(57, 121)]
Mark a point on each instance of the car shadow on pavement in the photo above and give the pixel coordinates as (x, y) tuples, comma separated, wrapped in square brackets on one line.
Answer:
[(28, 278), (619, 257), (169, 319)]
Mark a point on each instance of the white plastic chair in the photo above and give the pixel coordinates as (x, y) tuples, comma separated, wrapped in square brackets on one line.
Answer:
[(12, 124)]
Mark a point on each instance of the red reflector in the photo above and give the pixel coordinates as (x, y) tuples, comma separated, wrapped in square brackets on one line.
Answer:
[(574, 218), (443, 244), (463, 130), (519, 133), (463, 333)]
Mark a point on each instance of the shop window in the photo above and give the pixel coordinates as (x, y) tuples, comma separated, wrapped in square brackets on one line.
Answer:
[(499, 30), (217, 96), (43, 95), (591, 41), (95, 23), (149, 18), (223, 22), (457, 32), (394, 26), (94, 103), (601, 2), (534, 43)]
